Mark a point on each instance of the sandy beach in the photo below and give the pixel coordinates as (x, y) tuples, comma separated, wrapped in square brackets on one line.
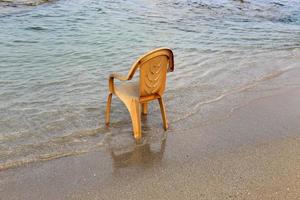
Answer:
[(252, 154)]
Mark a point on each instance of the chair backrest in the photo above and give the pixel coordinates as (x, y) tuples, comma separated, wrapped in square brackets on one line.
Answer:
[(153, 71)]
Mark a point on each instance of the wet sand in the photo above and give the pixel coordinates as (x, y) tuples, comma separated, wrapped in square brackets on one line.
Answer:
[(253, 153)]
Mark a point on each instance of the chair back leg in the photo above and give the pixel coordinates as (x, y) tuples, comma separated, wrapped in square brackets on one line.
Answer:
[(108, 105), (145, 108), (163, 113)]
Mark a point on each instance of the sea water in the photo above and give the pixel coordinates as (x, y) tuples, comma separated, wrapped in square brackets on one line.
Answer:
[(55, 58)]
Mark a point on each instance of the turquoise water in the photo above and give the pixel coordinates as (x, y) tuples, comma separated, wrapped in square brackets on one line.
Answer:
[(55, 59)]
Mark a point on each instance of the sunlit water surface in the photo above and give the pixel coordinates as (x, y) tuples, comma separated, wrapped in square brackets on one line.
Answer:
[(55, 59)]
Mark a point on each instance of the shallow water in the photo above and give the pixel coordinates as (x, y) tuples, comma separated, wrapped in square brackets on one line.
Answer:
[(55, 59)]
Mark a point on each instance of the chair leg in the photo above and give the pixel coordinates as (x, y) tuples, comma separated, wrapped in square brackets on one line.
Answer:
[(145, 108), (163, 113), (108, 106), (135, 114)]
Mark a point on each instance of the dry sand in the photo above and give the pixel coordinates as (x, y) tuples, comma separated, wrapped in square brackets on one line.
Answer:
[(254, 153)]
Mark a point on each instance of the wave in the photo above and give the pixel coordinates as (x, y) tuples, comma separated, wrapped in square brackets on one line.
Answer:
[(195, 109), (14, 3), (40, 158), (70, 145)]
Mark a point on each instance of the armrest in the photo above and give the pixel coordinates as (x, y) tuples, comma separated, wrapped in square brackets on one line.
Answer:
[(118, 76), (111, 81)]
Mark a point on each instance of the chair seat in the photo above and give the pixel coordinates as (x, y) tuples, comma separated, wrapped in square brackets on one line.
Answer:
[(127, 89)]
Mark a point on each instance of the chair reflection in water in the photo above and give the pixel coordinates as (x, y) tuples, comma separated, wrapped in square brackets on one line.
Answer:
[(153, 68), (144, 155)]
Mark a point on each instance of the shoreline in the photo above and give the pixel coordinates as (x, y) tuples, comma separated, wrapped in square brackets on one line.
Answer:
[(252, 154)]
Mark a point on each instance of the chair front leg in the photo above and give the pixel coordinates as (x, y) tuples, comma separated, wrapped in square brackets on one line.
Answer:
[(108, 106), (135, 113)]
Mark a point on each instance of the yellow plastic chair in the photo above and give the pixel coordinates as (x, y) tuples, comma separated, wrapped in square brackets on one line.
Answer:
[(153, 68)]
